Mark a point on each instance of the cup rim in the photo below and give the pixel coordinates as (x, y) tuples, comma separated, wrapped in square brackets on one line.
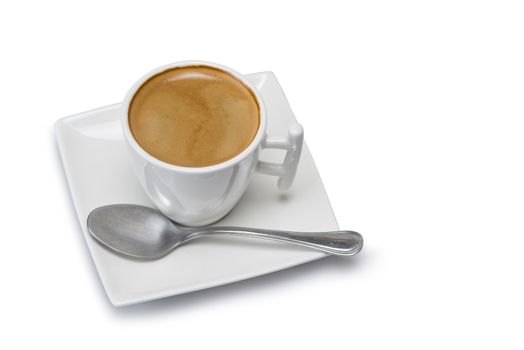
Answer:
[(193, 170)]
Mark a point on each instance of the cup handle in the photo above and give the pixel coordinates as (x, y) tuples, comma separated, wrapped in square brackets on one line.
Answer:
[(288, 169)]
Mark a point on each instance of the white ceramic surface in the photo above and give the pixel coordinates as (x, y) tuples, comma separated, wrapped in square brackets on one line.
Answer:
[(99, 172), (201, 196)]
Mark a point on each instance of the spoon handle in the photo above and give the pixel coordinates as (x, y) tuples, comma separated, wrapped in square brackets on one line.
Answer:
[(333, 242)]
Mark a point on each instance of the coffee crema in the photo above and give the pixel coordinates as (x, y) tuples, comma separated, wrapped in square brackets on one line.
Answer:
[(194, 116)]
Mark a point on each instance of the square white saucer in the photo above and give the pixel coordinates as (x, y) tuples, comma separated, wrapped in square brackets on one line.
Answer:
[(99, 172)]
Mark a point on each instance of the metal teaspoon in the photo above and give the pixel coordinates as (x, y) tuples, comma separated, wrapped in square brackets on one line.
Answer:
[(142, 232)]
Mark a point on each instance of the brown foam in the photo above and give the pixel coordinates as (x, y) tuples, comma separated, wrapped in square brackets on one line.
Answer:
[(193, 116)]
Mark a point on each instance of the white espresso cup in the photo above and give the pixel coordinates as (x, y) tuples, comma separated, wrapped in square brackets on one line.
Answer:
[(197, 196)]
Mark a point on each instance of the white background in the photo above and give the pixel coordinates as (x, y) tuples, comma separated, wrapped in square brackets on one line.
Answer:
[(414, 114)]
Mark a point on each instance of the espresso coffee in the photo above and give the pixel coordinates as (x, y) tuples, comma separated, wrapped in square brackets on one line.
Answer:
[(194, 116)]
